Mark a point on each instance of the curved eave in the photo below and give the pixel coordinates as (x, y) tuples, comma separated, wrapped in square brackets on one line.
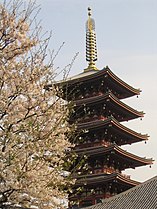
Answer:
[(114, 99), (112, 123), (129, 131), (125, 106), (96, 179), (105, 73), (122, 83), (131, 156), (115, 150)]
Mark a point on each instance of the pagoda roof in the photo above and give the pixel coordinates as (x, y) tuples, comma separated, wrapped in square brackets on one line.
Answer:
[(117, 127), (124, 89), (114, 101), (141, 196), (95, 179), (116, 152)]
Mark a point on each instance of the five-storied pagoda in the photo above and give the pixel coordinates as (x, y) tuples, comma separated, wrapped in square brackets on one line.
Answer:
[(98, 113)]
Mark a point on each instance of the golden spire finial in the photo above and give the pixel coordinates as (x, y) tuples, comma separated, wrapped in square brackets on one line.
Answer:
[(91, 50)]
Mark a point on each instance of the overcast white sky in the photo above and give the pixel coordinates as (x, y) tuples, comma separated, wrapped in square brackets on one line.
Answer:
[(126, 41)]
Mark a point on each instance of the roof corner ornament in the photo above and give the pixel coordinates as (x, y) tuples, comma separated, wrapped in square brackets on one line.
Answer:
[(91, 49)]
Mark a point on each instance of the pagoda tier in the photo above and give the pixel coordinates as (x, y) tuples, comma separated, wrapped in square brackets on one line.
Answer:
[(96, 187), (100, 106), (106, 131), (110, 159), (94, 83)]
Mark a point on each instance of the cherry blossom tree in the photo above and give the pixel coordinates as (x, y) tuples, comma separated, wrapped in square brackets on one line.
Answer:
[(33, 120)]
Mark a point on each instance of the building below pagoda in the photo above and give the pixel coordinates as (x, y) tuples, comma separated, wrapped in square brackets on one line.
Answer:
[(98, 114), (141, 196)]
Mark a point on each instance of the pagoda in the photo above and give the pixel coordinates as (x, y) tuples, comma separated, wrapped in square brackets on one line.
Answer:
[(98, 112)]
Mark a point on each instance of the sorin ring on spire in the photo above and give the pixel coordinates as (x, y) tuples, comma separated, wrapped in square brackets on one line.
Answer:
[(91, 49)]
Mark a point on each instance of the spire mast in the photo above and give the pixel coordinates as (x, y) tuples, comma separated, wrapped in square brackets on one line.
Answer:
[(91, 49)]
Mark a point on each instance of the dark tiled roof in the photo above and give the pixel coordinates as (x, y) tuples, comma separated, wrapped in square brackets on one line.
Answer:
[(117, 152), (90, 75), (114, 124), (95, 179), (143, 196)]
